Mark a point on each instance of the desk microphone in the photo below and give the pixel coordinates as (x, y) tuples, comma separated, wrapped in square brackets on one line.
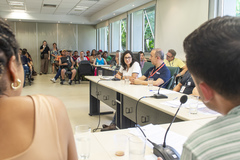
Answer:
[(164, 151), (160, 96)]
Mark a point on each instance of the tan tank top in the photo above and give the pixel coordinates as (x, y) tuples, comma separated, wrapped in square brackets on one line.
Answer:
[(46, 144)]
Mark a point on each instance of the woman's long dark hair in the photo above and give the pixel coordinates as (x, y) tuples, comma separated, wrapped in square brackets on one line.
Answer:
[(8, 48), (124, 65)]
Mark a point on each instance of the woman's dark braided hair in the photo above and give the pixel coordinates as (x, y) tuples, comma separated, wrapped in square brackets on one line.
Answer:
[(8, 48)]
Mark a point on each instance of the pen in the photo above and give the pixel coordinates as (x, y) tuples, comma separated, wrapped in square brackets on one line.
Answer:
[(175, 98)]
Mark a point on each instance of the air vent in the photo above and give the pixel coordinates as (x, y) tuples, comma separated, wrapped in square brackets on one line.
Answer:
[(50, 5)]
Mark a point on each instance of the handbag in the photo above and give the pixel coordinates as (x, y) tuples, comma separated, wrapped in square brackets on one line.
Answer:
[(42, 56)]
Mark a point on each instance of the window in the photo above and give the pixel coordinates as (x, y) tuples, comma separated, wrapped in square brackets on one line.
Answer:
[(149, 29), (224, 7), (118, 38), (238, 8), (142, 30), (123, 34), (103, 38)]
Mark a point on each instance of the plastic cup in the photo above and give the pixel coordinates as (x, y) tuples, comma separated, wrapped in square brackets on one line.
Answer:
[(82, 137), (127, 80), (150, 84), (120, 144), (100, 73), (193, 108), (136, 148)]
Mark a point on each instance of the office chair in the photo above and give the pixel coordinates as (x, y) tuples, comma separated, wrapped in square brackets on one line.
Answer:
[(146, 66), (173, 70), (85, 68)]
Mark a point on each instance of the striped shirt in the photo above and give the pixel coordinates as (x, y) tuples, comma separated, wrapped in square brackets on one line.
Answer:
[(218, 139)]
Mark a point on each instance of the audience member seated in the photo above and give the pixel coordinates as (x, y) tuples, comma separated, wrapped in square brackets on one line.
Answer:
[(24, 61), (160, 73), (106, 57), (34, 73), (99, 60), (58, 68), (186, 85), (93, 56), (115, 61), (29, 63), (33, 126), (75, 56), (172, 61), (88, 55), (67, 64), (130, 68), (81, 58), (142, 59), (100, 51)]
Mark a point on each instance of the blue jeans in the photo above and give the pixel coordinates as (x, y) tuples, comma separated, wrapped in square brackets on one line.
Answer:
[(26, 70), (58, 73)]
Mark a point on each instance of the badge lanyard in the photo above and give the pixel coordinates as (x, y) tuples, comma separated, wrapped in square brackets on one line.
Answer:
[(152, 74)]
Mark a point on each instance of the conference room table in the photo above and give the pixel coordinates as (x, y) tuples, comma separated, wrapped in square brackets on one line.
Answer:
[(123, 97), (103, 143), (107, 70)]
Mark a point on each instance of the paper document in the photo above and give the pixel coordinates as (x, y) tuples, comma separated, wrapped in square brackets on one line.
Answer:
[(106, 77), (164, 91), (202, 108), (156, 134)]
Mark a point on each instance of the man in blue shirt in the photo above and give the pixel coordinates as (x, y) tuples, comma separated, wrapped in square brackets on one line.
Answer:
[(160, 73)]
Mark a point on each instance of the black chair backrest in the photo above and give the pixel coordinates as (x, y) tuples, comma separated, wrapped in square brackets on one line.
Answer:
[(85, 68)]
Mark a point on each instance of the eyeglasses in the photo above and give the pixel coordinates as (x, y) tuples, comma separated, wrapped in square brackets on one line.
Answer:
[(127, 58), (169, 56)]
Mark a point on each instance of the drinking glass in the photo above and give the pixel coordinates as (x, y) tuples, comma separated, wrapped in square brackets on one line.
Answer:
[(82, 137)]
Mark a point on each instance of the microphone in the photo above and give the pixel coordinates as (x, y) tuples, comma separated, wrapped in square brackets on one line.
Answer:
[(160, 96), (164, 151)]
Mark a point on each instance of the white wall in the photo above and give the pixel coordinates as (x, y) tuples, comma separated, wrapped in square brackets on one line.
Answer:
[(175, 19), (86, 37)]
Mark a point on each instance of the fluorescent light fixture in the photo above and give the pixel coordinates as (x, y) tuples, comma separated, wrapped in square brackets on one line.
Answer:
[(81, 8), (15, 3)]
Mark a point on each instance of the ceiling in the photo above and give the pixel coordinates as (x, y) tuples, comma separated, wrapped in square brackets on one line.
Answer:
[(66, 11)]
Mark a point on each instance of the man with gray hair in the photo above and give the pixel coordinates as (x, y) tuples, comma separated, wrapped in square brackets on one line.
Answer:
[(159, 72)]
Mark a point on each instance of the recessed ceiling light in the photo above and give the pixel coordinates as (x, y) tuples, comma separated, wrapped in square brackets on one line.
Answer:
[(133, 5), (15, 3), (81, 8), (114, 14)]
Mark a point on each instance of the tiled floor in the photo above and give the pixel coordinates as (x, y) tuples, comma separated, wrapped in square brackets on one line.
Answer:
[(75, 97)]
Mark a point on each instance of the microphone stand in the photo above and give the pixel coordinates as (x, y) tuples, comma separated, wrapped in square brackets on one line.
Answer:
[(161, 96), (163, 150)]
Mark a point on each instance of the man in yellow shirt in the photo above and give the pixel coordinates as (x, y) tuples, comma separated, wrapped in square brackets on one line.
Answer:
[(171, 61)]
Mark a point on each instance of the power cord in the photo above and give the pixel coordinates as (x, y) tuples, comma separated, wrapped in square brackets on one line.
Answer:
[(137, 105)]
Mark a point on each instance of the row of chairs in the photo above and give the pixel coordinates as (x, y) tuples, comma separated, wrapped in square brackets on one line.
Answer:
[(173, 70)]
